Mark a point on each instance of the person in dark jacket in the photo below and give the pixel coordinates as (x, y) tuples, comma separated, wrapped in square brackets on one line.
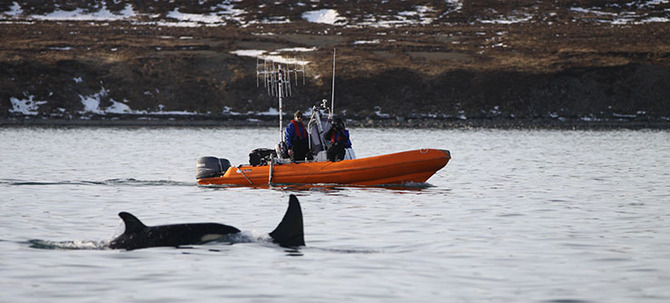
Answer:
[(339, 140), (296, 138)]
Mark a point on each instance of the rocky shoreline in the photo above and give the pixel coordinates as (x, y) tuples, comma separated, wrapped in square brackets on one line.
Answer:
[(553, 66), (418, 123)]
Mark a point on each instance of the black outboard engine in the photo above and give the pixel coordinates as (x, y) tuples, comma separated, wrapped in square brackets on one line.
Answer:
[(208, 167)]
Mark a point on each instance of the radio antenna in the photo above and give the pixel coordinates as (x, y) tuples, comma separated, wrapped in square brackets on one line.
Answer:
[(332, 97), (277, 79)]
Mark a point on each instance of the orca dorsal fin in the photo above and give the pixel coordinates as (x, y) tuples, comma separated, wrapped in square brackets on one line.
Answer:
[(133, 224), (289, 232)]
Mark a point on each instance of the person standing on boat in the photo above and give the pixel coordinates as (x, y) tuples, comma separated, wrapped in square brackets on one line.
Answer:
[(296, 138), (339, 140)]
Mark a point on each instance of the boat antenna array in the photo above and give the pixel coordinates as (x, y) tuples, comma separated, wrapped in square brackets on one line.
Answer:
[(277, 76), (277, 79)]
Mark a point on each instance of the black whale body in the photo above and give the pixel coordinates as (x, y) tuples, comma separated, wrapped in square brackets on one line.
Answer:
[(289, 232)]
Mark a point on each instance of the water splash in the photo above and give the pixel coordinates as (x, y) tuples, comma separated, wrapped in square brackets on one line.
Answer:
[(135, 182), (242, 237), (68, 245)]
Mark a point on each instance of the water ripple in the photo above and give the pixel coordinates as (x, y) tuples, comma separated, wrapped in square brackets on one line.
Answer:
[(108, 182)]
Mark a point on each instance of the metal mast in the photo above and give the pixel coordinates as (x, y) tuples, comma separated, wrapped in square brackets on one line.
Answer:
[(332, 97)]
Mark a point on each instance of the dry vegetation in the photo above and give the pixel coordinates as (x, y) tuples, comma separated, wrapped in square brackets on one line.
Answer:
[(545, 70)]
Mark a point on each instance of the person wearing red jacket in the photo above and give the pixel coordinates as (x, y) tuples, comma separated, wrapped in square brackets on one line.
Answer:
[(338, 136), (296, 138)]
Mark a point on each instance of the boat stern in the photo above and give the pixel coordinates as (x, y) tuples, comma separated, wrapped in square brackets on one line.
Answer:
[(209, 167)]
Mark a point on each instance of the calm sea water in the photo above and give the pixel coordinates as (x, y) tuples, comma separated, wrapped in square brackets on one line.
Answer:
[(516, 216)]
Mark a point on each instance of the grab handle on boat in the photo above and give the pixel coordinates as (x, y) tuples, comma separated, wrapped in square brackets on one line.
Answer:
[(245, 176)]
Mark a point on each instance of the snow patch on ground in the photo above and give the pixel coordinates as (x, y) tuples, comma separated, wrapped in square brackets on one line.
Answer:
[(92, 105), (226, 13), (199, 18), (27, 106), (273, 56), (327, 16), (80, 15)]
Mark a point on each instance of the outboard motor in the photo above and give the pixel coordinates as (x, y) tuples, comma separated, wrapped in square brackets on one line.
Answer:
[(208, 167)]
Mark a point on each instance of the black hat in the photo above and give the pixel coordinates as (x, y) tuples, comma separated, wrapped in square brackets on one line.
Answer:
[(339, 122)]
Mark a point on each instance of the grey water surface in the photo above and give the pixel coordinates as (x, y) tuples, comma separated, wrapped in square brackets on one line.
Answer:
[(516, 216)]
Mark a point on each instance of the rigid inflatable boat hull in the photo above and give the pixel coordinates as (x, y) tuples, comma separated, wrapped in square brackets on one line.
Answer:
[(414, 166)]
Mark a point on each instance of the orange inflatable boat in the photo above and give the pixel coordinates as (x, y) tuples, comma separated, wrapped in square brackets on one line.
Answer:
[(272, 166), (397, 168)]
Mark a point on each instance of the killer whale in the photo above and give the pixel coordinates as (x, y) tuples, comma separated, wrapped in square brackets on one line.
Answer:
[(289, 232)]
